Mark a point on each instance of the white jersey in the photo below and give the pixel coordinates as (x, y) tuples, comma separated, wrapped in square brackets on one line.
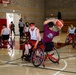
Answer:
[(33, 34), (71, 30), (5, 31), (26, 29)]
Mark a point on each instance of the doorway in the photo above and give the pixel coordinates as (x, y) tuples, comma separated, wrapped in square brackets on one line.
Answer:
[(15, 18)]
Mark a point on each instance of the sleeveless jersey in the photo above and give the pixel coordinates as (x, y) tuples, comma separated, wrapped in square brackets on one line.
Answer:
[(6, 31), (33, 34), (71, 30)]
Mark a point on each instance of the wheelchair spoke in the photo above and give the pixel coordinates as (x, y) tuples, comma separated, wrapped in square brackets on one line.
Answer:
[(37, 57)]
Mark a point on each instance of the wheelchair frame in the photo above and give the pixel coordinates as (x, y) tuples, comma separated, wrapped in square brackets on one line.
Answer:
[(38, 57), (6, 43), (74, 41)]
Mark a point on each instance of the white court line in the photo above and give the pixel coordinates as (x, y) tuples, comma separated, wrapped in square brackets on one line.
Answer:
[(62, 68)]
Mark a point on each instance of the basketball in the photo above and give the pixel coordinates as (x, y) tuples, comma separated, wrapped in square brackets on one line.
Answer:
[(60, 23)]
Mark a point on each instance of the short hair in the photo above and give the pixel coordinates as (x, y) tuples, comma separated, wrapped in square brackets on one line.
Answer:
[(27, 24), (50, 24), (32, 24), (11, 22), (4, 25)]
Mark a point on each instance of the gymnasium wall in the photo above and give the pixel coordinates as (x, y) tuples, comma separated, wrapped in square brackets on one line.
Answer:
[(67, 9), (30, 10), (38, 10)]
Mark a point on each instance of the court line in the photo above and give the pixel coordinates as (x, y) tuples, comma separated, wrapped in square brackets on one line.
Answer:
[(41, 67), (68, 57), (62, 68), (47, 68)]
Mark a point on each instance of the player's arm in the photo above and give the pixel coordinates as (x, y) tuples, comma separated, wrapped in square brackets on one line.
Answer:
[(38, 36), (50, 20), (2, 31)]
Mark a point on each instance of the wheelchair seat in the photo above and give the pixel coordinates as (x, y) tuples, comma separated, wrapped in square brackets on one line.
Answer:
[(49, 47)]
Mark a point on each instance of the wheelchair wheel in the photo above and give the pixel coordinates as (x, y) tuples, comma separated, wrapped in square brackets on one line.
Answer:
[(37, 57), (67, 41), (73, 43), (10, 43), (54, 56)]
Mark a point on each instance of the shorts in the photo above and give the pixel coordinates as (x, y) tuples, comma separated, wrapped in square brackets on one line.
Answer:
[(49, 46), (27, 33), (32, 42), (5, 37), (71, 36)]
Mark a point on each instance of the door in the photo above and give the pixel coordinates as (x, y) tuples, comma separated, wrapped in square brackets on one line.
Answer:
[(15, 18)]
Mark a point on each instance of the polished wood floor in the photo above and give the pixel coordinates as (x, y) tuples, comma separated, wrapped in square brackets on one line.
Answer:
[(11, 64)]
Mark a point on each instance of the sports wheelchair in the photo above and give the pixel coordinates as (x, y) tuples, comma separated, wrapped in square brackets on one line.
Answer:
[(6, 43), (69, 39), (74, 41), (40, 54)]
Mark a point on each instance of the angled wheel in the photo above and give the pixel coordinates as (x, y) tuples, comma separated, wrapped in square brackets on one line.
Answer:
[(67, 41), (73, 43), (37, 57), (54, 55)]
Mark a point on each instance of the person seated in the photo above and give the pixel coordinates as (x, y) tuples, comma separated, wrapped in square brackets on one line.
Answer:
[(33, 41), (5, 32), (49, 34), (75, 31), (71, 32), (26, 30)]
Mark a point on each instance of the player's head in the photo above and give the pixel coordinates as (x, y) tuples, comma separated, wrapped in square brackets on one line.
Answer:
[(50, 24), (32, 26), (27, 24), (4, 25), (11, 22), (72, 26), (20, 19)]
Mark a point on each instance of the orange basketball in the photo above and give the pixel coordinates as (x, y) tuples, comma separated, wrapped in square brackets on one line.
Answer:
[(59, 23)]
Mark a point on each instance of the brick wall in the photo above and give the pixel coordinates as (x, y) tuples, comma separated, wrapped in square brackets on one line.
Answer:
[(30, 10), (37, 10), (66, 7)]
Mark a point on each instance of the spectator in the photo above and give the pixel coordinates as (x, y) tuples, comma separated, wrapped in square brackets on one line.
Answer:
[(12, 28), (21, 26)]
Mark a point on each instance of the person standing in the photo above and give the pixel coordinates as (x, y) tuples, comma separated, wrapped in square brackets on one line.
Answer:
[(12, 28), (21, 26)]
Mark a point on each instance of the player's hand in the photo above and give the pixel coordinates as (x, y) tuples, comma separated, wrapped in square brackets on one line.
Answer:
[(34, 47), (59, 28)]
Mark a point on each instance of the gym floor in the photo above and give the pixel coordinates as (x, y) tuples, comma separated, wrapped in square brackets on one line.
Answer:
[(11, 63)]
